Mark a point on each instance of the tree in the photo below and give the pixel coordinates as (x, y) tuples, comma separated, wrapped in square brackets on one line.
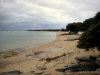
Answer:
[(97, 16), (90, 38), (74, 27), (87, 24)]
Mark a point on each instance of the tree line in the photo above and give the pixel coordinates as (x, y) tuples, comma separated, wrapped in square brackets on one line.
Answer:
[(91, 28)]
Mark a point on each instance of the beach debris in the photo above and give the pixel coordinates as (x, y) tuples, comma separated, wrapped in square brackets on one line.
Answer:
[(15, 72), (53, 58), (64, 47), (82, 59), (38, 52), (10, 55), (29, 55), (39, 72), (41, 67), (41, 59)]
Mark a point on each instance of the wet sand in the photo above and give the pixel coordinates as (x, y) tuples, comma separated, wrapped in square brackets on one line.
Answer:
[(52, 55)]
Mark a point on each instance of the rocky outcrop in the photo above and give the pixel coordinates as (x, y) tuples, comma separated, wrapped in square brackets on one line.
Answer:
[(38, 72), (82, 59), (41, 67), (61, 69), (15, 72), (82, 64), (10, 54), (72, 64)]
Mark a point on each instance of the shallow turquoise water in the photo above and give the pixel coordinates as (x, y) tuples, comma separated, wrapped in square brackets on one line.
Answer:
[(12, 40)]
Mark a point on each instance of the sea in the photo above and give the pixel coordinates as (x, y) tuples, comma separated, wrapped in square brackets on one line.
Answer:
[(18, 40)]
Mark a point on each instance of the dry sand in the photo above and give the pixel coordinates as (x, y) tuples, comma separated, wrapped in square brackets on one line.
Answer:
[(26, 60)]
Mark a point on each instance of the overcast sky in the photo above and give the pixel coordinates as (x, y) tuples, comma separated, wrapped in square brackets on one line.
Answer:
[(44, 14)]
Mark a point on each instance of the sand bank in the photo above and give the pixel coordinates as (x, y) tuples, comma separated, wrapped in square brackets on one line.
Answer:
[(51, 55)]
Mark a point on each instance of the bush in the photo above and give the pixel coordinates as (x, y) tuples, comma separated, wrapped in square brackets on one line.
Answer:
[(90, 38)]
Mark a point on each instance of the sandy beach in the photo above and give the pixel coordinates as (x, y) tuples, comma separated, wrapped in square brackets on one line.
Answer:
[(52, 55)]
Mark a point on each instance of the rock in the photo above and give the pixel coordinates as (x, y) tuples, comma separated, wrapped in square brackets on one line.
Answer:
[(72, 64), (38, 52), (29, 55), (93, 58), (62, 69), (82, 59), (41, 67), (6, 56), (75, 63), (68, 65), (67, 72), (15, 72), (84, 66), (47, 74), (38, 72), (88, 66), (98, 61), (98, 71)]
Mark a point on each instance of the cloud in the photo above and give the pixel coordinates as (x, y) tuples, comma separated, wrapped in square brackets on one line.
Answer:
[(44, 14)]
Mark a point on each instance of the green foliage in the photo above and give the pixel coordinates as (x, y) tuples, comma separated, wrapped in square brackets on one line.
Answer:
[(90, 38), (74, 27), (97, 16), (87, 24)]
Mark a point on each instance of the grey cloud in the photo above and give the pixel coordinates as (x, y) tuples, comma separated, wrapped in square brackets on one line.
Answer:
[(44, 14)]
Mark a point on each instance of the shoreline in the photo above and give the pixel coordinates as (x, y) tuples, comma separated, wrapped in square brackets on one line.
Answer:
[(17, 52), (26, 60)]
